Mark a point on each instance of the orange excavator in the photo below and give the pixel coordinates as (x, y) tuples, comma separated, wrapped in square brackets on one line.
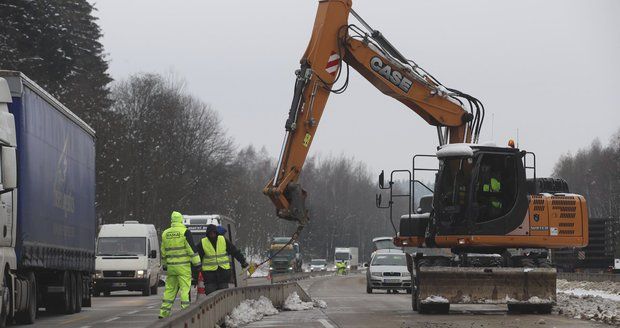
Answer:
[(482, 201)]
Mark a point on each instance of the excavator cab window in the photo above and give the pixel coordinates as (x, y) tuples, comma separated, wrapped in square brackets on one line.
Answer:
[(454, 186), (496, 186)]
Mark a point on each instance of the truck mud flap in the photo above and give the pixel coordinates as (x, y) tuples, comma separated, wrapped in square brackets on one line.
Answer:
[(486, 285)]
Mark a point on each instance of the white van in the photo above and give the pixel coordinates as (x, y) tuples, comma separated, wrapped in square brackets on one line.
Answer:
[(127, 259), (197, 225)]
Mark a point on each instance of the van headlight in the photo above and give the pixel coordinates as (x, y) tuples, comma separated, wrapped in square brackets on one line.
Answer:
[(376, 274), (98, 274), (290, 268), (140, 273)]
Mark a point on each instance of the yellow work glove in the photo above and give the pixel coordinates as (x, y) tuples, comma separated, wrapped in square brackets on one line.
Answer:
[(251, 269)]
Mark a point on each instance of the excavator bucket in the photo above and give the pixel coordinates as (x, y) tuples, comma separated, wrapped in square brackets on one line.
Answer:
[(490, 285)]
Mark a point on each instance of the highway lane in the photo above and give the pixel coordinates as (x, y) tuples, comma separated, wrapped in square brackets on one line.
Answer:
[(348, 305), (121, 309)]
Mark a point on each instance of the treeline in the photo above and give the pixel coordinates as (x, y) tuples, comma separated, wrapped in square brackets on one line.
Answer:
[(161, 149), (594, 172)]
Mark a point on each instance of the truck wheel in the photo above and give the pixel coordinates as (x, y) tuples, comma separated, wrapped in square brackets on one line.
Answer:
[(368, 289), (70, 308), (62, 301), (154, 287), (6, 303), (30, 313), (146, 291), (87, 300), (78, 291), (414, 299)]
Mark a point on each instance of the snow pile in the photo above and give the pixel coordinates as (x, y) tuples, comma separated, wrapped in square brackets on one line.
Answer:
[(589, 308), (598, 301), (250, 311), (261, 271), (321, 304), (607, 289), (435, 299), (294, 303)]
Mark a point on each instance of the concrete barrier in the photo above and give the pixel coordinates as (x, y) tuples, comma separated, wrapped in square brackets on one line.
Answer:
[(209, 311), (581, 276)]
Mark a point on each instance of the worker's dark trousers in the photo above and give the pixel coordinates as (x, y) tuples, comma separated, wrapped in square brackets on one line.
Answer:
[(211, 287)]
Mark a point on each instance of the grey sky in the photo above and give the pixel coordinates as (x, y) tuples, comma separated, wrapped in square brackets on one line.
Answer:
[(550, 69)]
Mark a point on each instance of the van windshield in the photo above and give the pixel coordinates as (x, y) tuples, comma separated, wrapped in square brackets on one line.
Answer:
[(121, 246)]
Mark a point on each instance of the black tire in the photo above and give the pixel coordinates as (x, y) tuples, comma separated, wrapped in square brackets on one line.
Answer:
[(414, 300), (408, 290), (389, 291), (30, 314), (71, 308), (154, 289), (146, 291), (425, 262), (547, 185), (106, 293), (368, 289), (78, 291), (528, 262), (543, 263), (61, 303), (87, 300), (442, 262), (6, 304)]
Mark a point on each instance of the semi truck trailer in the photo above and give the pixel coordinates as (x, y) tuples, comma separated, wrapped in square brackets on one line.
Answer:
[(47, 196)]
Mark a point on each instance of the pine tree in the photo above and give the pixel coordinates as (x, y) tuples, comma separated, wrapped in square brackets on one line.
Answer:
[(56, 43)]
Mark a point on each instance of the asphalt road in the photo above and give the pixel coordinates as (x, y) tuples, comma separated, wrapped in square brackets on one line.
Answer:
[(348, 305), (121, 309)]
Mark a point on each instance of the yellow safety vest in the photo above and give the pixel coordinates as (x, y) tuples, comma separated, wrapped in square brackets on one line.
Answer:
[(176, 253), (214, 258)]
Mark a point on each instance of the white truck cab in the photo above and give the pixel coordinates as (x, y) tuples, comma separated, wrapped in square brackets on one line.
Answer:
[(127, 258)]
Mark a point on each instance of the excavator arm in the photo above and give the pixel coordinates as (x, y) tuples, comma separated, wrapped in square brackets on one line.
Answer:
[(334, 44)]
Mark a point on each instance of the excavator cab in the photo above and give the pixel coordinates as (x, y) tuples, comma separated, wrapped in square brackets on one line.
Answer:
[(479, 190)]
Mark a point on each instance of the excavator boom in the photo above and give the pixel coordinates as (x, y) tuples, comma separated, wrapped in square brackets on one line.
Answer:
[(333, 43)]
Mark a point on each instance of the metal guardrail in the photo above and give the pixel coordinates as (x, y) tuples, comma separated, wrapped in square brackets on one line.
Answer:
[(582, 276), (209, 311), (295, 276)]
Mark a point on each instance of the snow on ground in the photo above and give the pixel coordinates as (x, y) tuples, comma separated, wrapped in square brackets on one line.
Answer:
[(435, 299), (294, 303), (250, 311), (599, 301), (254, 310)]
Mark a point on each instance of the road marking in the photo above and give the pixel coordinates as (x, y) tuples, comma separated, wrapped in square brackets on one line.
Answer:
[(133, 312), (326, 324), (112, 319), (74, 320), (85, 327)]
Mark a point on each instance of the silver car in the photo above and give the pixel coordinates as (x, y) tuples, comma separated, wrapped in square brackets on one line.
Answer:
[(388, 271), (318, 265)]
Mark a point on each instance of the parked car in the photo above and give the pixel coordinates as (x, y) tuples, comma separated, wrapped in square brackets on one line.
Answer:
[(388, 271), (318, 265)]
